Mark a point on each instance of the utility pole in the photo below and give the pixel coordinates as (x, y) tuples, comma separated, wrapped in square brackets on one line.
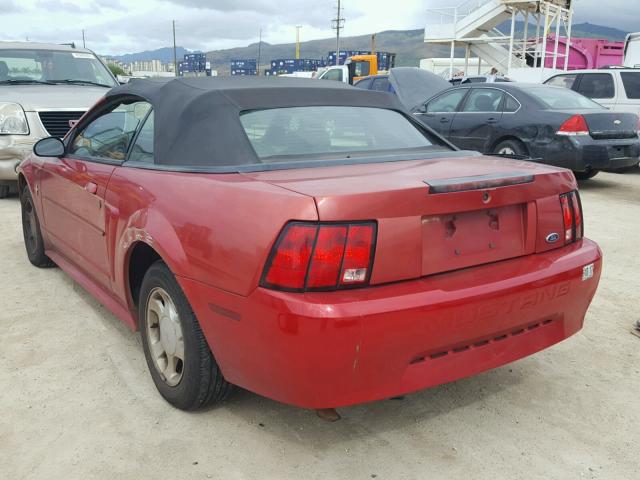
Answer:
[(175, 54), (298, 27), (337, 25), (83, 42), (259, 52), (373, 44)]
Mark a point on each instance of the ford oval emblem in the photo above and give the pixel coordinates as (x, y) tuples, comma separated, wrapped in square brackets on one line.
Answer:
[(552, 237)]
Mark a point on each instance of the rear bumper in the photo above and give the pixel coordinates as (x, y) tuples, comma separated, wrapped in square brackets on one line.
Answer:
[(581, 154), (340, 348)]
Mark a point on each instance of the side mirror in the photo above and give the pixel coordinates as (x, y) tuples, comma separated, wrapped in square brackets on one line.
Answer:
[(49, 147), (421, 109)]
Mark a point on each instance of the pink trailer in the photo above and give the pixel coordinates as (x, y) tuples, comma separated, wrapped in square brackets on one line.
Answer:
[(585, 53)]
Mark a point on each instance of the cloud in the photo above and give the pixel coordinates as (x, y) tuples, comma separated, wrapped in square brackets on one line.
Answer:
[(65, 6), (116, 26), (9, 6)]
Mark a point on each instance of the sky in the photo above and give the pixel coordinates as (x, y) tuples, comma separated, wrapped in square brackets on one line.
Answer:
[(114, 27)]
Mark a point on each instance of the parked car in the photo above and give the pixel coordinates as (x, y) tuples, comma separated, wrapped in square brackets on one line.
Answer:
[(618, 89), (411, 85), (43, 87), (555, 125), (478, 79), (307, 241)]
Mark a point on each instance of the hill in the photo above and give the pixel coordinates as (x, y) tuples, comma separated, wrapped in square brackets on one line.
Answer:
[(165, 55), (408, 45)]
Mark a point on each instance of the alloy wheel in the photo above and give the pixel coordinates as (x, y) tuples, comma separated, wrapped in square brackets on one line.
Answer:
[(506, 151), (164, 335)]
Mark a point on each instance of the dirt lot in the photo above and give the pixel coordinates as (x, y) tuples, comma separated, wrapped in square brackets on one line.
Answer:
[(76, 401)]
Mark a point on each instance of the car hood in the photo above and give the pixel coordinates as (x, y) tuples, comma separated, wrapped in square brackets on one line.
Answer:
[(414, 86), (52, 97)]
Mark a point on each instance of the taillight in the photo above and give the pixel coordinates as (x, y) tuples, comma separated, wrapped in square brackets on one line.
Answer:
[(572, 216), (321, 256), (576, 125)]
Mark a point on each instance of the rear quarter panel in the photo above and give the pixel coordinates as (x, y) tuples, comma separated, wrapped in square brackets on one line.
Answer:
[(215, 229)]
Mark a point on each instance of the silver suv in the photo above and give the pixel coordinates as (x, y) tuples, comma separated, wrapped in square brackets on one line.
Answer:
[(43, 89)]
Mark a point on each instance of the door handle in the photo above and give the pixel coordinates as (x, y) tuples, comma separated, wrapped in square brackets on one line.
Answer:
[(91, 187), (444, 120), (492, 120)]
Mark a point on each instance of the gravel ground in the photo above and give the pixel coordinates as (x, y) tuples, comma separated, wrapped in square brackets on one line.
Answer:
[(77, 402)]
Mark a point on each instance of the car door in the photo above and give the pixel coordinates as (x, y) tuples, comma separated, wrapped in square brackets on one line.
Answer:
[(74, 186), (599, 87), (474, 126), (440, 111)]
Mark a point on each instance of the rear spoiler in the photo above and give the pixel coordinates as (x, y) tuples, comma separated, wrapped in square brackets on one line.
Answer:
[(478, 182)]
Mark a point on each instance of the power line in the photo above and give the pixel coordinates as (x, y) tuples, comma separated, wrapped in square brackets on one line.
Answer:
[(338, 24), (175, 55), (259, 53)]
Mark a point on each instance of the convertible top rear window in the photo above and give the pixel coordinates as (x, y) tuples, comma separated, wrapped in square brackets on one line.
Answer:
[(300, 131), (225, 124)]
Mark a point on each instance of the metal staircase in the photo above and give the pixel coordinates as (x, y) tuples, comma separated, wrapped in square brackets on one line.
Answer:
[(473, 25)]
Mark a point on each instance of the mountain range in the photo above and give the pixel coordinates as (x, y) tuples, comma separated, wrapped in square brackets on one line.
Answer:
[(408, 45)]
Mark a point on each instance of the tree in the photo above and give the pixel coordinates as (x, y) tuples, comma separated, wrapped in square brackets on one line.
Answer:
[(116, 70)]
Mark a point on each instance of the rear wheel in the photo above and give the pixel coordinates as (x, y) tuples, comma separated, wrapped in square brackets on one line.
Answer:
[(586, 175), (178, 356), (31, 232), (511, 147)]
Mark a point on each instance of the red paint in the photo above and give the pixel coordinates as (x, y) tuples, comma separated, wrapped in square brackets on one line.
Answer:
[(470, 311)]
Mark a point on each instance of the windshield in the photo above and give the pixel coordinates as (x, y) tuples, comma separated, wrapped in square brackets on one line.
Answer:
[(52, 66), (558, 98), (300, 131)]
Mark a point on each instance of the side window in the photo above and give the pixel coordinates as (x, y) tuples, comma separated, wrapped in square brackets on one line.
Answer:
[(447, 102), (365, 84), (597, 85), (362, 69), (142, 149), (108, 136), (483, 100), (334, 74), (510, 104), (631, 82), (381, 84), (565, 81)]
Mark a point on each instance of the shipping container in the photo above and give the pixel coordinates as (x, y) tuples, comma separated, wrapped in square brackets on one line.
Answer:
[(290, 65), (250, 63), (385, 59), (244, 71)]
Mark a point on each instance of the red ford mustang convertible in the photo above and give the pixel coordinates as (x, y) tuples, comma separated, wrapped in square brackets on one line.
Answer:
[(305, 240)]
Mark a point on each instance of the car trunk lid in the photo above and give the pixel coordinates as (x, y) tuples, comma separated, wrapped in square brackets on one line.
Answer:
[(438, 215), (605, 124)]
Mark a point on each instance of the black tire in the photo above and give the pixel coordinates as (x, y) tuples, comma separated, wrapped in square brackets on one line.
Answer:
[(514, 147), (201, 383), (5, 190), (31, 233), (586, 175)]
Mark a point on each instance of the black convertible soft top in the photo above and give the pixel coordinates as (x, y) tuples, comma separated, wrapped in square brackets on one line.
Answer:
[(197, 120)]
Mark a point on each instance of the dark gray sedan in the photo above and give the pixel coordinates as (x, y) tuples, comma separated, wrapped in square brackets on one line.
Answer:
[(555, 125)]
